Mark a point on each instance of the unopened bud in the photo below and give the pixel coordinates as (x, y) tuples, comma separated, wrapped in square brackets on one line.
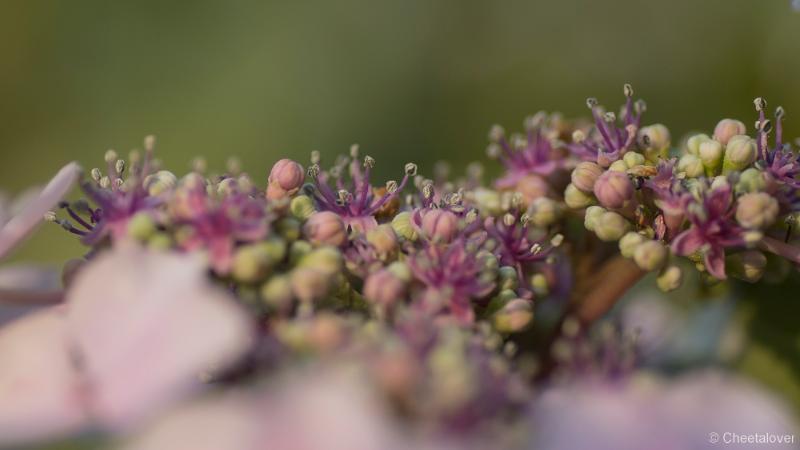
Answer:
[(691, 166), (629, 243), (514, 316), (618, 166), (383, 239), (658, 141), (633, 159), (751, 180), (384, 287), (325, 228), (748, 265), (585, 175), (141, 226), (592, 215), (575, 198), (739, 153), (277, 292), (670, 278), (508, 278), (440, 225), (309, 284), (756, 210), (728, 128), (287, 176), (710, 153), (613, 189), (401, 224), (250, 264), (327, 260), (650, 255), (302, 207), (544, 212), (611, 226)]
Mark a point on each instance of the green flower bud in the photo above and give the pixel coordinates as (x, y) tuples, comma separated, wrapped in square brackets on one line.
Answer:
[(277, 292), (693, 143), (250, 264), (670, 278), (309, 284), (756, 210), (327, 260), (302, 207), (507, 278), (629, 243), (719, 182), (540, 285), (401, 224), (751, 180), (514, 316), (691, 165), (748, 265), (618, 166), (544, 212), (650, 255), (160, 241), (490, 262), (657, 139), (585, 174), (298, 250), (289, 228), (611, 226), (710, 154), (488, 201), (575, 198), (383, 240), (141, 226), (633, 159), (592, 215), (728, 128), (274, 249), (739, 153)]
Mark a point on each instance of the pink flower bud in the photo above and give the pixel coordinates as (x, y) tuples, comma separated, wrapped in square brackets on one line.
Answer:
[(728, 128), (286, 177), (309, 284), (384, 287), (613, 189), (532, 187), (440, 225), (325, 228), (585, 175), (383, 239)]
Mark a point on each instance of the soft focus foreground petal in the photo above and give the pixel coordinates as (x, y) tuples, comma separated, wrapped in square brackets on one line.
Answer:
[(148, 326), (33, 213), (40, 393), (28, 285)]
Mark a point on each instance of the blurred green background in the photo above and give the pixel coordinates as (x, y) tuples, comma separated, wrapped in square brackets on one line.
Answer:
[(411, 80)]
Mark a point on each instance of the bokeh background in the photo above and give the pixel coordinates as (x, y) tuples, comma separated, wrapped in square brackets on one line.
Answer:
[(411, 80)]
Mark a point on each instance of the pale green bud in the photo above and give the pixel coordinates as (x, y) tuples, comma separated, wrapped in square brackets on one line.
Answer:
[(748, 265), (160, 182), (739, 153), (670, 278), (277, 292), (691, 165), (309, 284), (751, 180), (488, 201), (141, 226), (507, 277), (325, 259), (756, 210), (302, 207), (160, 241), (298, 250), (544, 212), (693, 143), (514, 316), (289, 228), (650, 255), (618, 166), (719, 182), (250, 264), (585, 175), (592, 215), (575, 198), (400, 270), (633, 159), (657, 141), (728, 128), (539, 284), (611, 226), (629, 242), (710, 153), (401, 223)]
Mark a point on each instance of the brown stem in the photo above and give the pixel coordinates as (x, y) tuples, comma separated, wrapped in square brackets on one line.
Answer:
[(781, 248), (30, 298)]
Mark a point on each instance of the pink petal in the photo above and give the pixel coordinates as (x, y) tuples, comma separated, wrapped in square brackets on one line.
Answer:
[(687, 242), (715, 262), (148, 325), (41, 393), (21, 225)]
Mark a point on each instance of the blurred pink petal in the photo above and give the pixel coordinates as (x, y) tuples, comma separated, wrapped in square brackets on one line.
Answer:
[(19, 226), (41, 393), (148, 325), (28, 285)]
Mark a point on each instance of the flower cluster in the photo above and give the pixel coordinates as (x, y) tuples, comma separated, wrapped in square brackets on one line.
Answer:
[(428, 289)]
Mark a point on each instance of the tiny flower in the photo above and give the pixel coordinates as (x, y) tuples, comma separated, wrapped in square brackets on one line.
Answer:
[(585, 175), (739, 153), (611, 226), (728, 128), (384, 287), (756, 210), (575, 198), (325, 228), (613, 189), (439, 225), (670, 278), (650, 255)]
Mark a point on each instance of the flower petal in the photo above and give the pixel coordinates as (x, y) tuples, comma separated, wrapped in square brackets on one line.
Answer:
[(715, 262), (687, 242), (21, 225)]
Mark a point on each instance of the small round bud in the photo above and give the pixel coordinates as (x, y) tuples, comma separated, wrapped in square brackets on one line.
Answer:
[(384, 287), (691, 165), (693, 143), (539, 284), (633, 159), (618, 166), (250, 264), (611, 226), (739, 153), (544, 212), (508, 278), (650, 255), (160, 182), (592, 215), (514, 316), (141, 226), (613, 189), (302, 207), (325, 228), (440, 225), (710, 153), (160, 241), (751, 180), (309, 284), (532, 187), (401, 224), (277, 292), (327, 260), (657, 137), (728, 128), (575, 198), (670, 278), (756, 210), (383, 239), (487, 200), (629, 243), (585, 175), (748, 265), (286, 177)]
